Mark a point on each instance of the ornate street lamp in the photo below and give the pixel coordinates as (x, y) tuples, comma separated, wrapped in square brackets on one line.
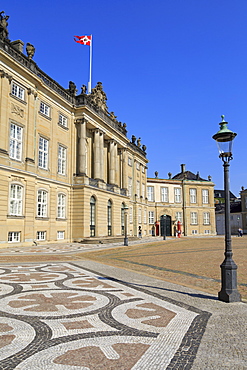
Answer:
[(229, 293), (126, 240)]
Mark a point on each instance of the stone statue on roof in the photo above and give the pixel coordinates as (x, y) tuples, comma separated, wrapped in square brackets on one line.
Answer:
[(98, 97), (30, 49), (4, 33)]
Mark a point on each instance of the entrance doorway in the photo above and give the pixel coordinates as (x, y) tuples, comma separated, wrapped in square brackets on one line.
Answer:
[(165, 225)]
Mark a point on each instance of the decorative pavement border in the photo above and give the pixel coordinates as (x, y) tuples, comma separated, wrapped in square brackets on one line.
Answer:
[(60, 316)]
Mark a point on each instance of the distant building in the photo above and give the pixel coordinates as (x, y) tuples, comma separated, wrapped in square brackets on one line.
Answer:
[(236, 220), (243, 195), (187, 198), (219, 196)]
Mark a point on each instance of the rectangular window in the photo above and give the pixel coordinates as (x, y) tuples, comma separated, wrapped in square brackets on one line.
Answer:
[(143, 191), (15, 208), (179, 216), (131, 215), (42, 203), (164, 194), (62, 154), (14, 236), (206, 231), (145, 216), (205, 196), (63, 121), (193, 218), (151, 217), (17, 91), (177, 195), (129, 161), (139, 215), (60, 235), (137, 165), (44, 109), (43, 153), (130, 186), (192, 195), (138, 188), (194, 232), (41, 235), (15, 144), (150, 193), (61, 205), (143, 169), (206, 218)]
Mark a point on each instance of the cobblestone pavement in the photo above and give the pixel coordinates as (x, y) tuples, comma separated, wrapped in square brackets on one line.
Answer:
[(86, 315)]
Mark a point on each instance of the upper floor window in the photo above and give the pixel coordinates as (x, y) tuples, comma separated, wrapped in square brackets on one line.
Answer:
[(42, 203), (131, 215), (193, 218), (130, 186), (145, 216), (164, 194), (129, 161), (17, 91), (61, 203), (137, 165), (63, 120), (43, 153), (44, 109), (15, 144), (177, 195), (62, 154), (143, 190), (205, 196), (139, 215), (16, 195), (150, 193), (143, 169), (192, 195), (138, 188), (179, 216)]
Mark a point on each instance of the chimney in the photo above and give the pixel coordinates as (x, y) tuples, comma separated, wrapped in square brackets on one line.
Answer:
[(183, 168), (18, 45)]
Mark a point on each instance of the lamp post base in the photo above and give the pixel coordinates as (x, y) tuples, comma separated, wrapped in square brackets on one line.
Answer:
[(126, 241), (229, 292)]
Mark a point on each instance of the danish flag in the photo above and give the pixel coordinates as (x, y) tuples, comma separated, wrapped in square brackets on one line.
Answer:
[(84, 40)]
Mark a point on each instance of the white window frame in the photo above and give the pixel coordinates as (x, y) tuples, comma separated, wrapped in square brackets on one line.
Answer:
[(205, 196), (192, 195), (61, 205), (14, 236), (139, 215), (15, 141), (206, 231), (131, 215), (42, 203), (16, 200), (177, 195), (179, 216), (138, 188), (150, 190), (62, 160), (45, 109), (130, 186), (138, 166), (151, 217), (193, 218), (164, 197), (60, 235), (206, 218), (43, 153), (17, 91), (62, 120), (194, 232), (41, 235)]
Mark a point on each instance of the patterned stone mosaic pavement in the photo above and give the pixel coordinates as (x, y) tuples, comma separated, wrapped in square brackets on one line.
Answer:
[(58, 316)]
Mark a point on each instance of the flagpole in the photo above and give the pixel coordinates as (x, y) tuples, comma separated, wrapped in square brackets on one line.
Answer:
[(90, 66)]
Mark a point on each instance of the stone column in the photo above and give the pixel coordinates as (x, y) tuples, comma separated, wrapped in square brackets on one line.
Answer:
[(82, 152), (97, 159), (101, 149)]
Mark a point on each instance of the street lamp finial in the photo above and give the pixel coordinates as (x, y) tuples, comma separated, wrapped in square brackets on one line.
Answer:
[(223, 117)]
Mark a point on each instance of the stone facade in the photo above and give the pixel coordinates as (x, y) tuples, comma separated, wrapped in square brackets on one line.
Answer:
[(67, 168), (186, 198)]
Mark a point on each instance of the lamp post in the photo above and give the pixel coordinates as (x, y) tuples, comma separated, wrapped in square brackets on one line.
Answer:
[(229, 293), (126, 241)]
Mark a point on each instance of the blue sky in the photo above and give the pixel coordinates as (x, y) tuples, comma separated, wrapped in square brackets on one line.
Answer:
[(170, 69)]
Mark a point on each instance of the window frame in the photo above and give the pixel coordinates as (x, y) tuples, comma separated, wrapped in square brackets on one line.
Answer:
[(13, 233), (206, 218), (43, 153), (193, 218), (39, 233), (150, 193), (42, 204), (61, 206), (150, 217), (62, 120), (205, 196), (45, 109), (15, 202), (193, 195), (17, 91), (62, 160), (15, 142), (164, 194), (177, 195)]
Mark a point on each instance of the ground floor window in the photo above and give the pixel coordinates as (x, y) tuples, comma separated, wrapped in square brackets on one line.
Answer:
[(194, 232), (14, 236), (109, 217), (92, 216), (206, 231), (60, 235), (41, 235)]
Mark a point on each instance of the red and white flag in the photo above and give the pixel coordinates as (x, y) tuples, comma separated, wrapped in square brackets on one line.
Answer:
[(84, 40)]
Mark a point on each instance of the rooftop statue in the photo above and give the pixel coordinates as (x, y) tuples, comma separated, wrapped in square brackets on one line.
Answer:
[(4, 33), (30, 49), (98, 97)]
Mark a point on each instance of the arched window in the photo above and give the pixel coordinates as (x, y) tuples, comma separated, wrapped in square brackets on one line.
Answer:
[(122, 218), (109, 217), (92, 216)]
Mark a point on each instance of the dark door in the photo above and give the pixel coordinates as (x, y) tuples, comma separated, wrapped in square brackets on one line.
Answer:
[(165, 225)]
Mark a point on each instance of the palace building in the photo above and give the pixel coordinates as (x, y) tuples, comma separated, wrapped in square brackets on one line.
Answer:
[(67, 169)]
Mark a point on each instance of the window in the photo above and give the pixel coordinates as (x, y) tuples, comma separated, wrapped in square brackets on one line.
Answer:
[(143, 169), (145, 216), (109, 217), (61, 202), (43, 153), (15, 208), (139, 215), (138, 188), (63, 121), (164, 194), (177, 195), (206, 218), (150, 193), (15, 145), (41, 235), (137, 165), (42, 203), (204, 196), (193, 218), (14, 236), (206, 231), (151, 217), (143, 190), (131, 215), (92, 216), (130, 186), (60, 235), (179, 216), (17, 91), (194, 232), (44, 109), (62, 154), (192, 195), (129, 161)]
